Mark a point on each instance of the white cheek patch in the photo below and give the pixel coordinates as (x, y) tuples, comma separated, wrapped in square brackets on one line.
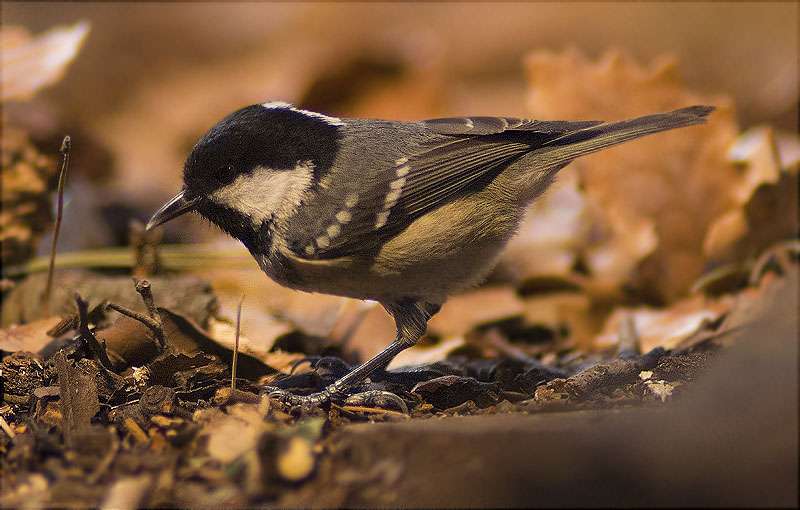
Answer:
[(264, 192)]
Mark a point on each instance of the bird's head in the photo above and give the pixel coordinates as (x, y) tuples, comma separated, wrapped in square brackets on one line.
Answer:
[(241, 172)]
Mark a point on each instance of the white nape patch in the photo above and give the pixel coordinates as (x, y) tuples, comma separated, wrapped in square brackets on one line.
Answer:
[(344, 216), (265, 192), (333, 121), (381, 219)]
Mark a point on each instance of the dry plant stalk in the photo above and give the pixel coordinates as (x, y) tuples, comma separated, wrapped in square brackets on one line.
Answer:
[(152, 319), (66, 146), (88, 336), (236, 343), (7, 428)]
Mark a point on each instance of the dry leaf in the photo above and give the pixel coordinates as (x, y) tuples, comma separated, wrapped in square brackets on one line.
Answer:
[(28, 337), (655, 197), (559, 310), (555, 227), (662, 328), (232, 434), (420, 354), (463, 312), (373, 331), (32, 63), (26, 212), (297, 459), (127, 492), (224, 334), (766, 199)]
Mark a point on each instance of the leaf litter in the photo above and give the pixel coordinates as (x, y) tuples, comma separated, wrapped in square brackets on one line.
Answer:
[(600, 319)]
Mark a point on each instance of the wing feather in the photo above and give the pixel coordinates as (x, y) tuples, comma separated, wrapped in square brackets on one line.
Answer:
[(461, 155)]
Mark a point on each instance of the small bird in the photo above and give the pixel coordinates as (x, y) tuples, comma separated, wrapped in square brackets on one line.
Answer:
[(402, 213)]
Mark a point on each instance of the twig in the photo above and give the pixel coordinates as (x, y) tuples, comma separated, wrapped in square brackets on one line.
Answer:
[(236, 343), (7, 428), (627, 336), (777, 254), (88, 336), (370, 410), (146, 260), (152, 319), (143, 288), (496, 340), (141, 317), (66, 145), (135, 430)]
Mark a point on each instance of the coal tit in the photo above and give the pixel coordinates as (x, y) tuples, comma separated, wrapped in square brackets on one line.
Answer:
[(403, 213)]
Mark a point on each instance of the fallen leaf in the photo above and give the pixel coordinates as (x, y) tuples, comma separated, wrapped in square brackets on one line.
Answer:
[(26, 179), (564, 310), (32, 63), (663, 327), (463, 312), (296, 460), (79, 402), (28, 337), (766, 199), (419, 354), (372, 331), (553, 232), (232, 434), (127, 492), (185, 294), (653, 199)]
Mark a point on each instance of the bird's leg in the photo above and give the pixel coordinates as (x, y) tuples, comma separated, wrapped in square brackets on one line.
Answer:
[(411, 319)]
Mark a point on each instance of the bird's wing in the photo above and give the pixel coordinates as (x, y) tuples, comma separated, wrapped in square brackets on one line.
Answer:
[(472, 126), (464, 155)]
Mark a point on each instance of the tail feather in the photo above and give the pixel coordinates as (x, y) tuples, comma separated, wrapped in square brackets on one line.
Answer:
[(592, 139)]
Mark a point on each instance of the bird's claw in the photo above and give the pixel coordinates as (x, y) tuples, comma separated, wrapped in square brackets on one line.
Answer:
[(378, 398), (290, 399)]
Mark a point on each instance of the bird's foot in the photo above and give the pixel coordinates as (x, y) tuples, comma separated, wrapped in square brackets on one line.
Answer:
[(376, 398), (331, 366), (288, 398)]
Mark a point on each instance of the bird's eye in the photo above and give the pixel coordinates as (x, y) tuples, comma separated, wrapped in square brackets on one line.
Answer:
[(225, 174)]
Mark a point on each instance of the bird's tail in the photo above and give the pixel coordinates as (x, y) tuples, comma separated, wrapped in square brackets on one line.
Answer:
[(592, 139)]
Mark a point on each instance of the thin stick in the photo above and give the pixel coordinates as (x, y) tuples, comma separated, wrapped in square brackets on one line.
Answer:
[(372, 410), (143, 288), (141, 317), (88, 336), (7, 428), (236, 343), (66, 146)]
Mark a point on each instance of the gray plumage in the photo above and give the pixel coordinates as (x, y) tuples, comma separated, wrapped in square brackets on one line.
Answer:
[(404, 213)]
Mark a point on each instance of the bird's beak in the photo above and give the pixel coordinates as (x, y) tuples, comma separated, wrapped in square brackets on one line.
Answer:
[(176, 206)]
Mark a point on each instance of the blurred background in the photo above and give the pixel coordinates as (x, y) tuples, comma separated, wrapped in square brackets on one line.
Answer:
[(682, 239), (150, 78)]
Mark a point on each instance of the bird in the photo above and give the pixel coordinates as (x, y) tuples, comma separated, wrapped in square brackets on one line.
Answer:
[(402, 213)]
